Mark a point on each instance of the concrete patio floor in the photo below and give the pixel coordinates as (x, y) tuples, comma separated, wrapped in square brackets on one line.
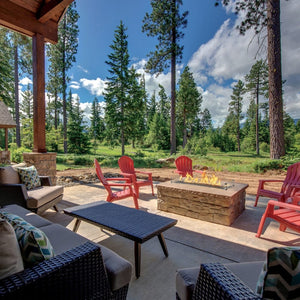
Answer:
[(190, 243)]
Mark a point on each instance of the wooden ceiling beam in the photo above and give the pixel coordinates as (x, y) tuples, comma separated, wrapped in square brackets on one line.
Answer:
[(51, 9), (21, 20)]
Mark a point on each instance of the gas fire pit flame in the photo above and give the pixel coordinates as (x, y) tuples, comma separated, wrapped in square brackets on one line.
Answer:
[(209, 180)]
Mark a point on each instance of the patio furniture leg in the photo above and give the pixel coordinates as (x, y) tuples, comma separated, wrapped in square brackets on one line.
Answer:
[(76, 226), (163, 244), (137, 258)]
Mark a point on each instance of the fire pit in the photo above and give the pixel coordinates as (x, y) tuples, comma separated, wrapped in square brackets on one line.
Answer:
[(221, 203)]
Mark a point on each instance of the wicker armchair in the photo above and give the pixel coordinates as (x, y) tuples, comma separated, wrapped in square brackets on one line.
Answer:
[(38, 200), (214, 281), (75, 274)]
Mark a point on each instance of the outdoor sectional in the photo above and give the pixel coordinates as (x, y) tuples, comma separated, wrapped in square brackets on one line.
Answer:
[(80, 268)]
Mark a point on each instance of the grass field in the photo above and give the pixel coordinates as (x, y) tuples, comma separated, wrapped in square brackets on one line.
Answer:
[(146, 158)]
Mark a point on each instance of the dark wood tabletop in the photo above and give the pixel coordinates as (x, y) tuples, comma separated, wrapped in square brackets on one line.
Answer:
[(136, 225), (131, 223)]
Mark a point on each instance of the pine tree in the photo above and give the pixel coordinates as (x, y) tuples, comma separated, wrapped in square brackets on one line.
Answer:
[(289, 131), (228, 133), (205, 121), (118, 110), (26, 118), (21, 47), (165, 22), (151, 109), (159, 133), (163, 103), (136, 104), (62, 58), (97, 124), (259, 15), (249, 129), (257, 84), (54, 84), (78, 138), (6, 69), (235, 107), (188, 103)]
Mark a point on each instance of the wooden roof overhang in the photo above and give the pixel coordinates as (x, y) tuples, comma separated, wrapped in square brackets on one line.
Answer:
[(38, 19)]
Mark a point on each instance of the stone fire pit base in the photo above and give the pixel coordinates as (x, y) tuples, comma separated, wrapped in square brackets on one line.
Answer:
[(201, 202)]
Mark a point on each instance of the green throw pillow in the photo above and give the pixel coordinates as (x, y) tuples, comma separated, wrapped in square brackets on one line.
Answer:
[(30, 177), (34, 245), (280, 277)]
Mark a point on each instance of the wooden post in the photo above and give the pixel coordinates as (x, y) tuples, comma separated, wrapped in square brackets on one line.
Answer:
[(39, 124), (6, 139)]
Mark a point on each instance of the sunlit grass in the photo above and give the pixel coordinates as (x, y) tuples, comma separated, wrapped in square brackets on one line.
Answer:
[(146, 158)]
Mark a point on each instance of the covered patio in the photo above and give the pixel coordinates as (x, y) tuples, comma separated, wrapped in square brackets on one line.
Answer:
[(190, 243)]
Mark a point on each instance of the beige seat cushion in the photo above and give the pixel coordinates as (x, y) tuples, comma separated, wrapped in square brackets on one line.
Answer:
[(42, 195), (10, 256), (9, 175)]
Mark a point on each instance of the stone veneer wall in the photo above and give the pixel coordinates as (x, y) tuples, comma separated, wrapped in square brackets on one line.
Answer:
[(220, 209), (45, 163)]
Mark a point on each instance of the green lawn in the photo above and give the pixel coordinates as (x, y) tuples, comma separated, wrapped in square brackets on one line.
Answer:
[(146, 158)]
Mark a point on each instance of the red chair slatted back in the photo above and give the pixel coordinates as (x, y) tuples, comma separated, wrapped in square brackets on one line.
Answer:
[(292, 178), (126, 165), (101, 177), (184, 164)]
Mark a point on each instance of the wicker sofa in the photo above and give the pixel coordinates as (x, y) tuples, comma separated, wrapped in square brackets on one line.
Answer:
[(80, 268), (39, 199)]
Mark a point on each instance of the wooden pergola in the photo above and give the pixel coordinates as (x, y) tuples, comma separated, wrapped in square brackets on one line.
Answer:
[(38, 19)]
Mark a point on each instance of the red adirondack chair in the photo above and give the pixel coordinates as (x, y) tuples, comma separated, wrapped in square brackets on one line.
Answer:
[(127, 168), (113, 196), (184, 166), (288, 188), (288, 215)]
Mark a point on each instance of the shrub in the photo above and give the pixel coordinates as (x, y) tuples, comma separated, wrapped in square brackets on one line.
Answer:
[(264, 147), (247, 145), (263, 166), (83, 161), (195, 145), (17, 153)]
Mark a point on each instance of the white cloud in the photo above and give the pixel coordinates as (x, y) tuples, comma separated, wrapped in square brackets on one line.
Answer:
[(229, 56), (25, 81), (75, 85), (95, 86), (82, 69), (152, 81), (215, 99)]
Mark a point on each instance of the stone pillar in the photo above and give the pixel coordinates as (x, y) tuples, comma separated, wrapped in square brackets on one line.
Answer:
[(45, 163)]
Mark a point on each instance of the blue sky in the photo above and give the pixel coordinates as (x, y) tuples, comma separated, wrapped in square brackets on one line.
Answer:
[(213, 49)]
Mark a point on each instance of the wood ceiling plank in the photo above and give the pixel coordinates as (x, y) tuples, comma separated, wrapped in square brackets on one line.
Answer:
[(19, 19), (32, 5), (52, 10)]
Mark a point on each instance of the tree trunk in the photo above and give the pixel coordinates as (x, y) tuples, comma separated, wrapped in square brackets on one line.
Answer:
[(122, 130), (64, 92), (184, 133), (55, 110), (256, 117), (173, 91), (17, 108), (238, 135), (275, 81)]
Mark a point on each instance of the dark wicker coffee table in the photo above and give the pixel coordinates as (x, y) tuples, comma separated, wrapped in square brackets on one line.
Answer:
[(136, 225)]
